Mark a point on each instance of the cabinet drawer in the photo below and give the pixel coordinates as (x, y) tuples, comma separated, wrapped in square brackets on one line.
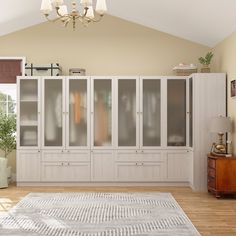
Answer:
[(139, 155), (211, 163), (140, 172), (211, 172), (66, 155), (211, 182), (65, 172)]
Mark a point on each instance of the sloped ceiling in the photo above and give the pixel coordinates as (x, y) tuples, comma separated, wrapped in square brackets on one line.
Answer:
[(203, 21)]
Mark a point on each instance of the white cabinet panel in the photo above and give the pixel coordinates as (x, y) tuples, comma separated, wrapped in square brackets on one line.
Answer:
[(140, 171), (178, 166), (28, 166), (66, 155), (103, 166), (139, 155), (65, 172)]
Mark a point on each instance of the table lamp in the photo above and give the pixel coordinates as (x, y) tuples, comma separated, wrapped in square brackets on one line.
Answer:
[(220, 125)]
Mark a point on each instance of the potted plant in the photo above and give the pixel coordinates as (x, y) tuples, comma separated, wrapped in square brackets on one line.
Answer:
[(7, 145), (206, 61)]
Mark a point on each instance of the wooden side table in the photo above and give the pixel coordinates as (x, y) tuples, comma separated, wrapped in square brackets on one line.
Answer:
[(221, 175)]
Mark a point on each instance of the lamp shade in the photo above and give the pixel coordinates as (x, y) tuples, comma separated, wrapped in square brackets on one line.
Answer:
[(86, 3), (90, 13), (101, 7), (57, 3), (46, 6), (63, 10), (221, 124)]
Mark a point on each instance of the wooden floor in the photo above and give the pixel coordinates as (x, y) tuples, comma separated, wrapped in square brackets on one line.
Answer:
[(210, 216)]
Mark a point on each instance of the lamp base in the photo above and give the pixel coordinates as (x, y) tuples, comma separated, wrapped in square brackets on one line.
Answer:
[(219, 149)]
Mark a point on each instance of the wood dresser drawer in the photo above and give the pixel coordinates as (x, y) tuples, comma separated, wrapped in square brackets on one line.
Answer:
[(211, 172), (211, 163)]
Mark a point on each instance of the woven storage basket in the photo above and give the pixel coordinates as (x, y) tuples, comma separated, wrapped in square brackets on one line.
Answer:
[(185, 72)]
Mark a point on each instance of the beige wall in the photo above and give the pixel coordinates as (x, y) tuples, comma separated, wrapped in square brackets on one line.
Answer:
[(225, 61), (111, 47)]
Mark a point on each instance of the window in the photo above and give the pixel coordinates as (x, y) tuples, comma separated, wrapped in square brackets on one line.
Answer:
[(8, 99)]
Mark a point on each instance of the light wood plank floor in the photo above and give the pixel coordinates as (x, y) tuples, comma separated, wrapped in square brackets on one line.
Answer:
[(210, 216)]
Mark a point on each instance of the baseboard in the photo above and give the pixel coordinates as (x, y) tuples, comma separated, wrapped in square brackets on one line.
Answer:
[(108, 184)]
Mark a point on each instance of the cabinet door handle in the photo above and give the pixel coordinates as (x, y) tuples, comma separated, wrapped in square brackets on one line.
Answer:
[(38, 150), (68, 163), (62, 151), (62, 164)]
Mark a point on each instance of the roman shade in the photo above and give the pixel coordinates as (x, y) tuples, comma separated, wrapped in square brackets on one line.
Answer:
[(9, 69)]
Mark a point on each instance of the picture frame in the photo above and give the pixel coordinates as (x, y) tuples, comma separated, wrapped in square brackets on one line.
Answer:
[(233, 88)]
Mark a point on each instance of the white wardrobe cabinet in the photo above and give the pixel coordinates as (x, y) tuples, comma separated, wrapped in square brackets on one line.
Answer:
[(115, 129)]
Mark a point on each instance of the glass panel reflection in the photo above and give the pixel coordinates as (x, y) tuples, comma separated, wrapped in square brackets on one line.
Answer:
[(176, 112), (53, 113), (151, 113), (78, 113), (102, 113), (127, 112)]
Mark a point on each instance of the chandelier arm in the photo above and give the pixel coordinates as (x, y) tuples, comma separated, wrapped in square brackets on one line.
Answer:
[(51, 20), (85, 12), (96, 19), (58, 13)]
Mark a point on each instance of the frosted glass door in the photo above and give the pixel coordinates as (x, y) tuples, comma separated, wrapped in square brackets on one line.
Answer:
[(78, 113), (29, 106), (176, 112), (127, 110), (151, 112), (53, 113), (102, 112)]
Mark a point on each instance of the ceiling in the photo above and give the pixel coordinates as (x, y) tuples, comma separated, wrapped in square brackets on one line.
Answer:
[(203, 21)]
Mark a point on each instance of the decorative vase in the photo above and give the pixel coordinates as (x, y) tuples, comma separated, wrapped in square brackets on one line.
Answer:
[(3, 173), (205, 69)]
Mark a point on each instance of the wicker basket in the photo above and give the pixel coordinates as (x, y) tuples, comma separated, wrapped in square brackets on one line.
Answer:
[(185, 72)]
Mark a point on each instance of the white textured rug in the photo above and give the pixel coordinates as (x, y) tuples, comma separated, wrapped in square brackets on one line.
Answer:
[(97, 214)]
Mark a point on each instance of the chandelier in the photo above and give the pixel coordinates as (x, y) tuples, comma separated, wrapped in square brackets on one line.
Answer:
[(82, 12)]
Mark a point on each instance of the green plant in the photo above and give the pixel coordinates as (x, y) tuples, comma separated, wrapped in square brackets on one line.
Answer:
[(207, 59), (7, 133)]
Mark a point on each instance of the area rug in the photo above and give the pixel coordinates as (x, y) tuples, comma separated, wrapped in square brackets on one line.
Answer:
[(97, 214)]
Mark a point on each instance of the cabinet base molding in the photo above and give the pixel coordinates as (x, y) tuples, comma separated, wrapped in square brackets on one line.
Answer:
[(98, 184)]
